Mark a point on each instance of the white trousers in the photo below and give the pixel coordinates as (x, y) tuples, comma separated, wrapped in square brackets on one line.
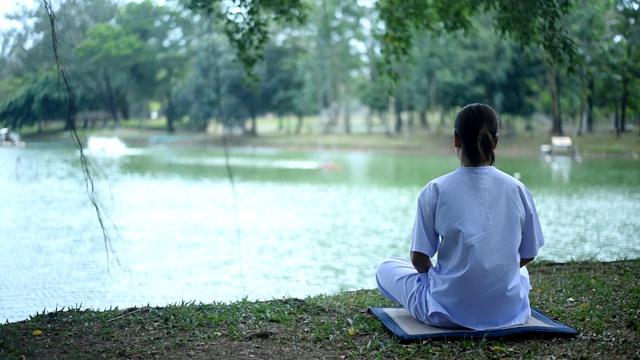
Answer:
[(399, 282)]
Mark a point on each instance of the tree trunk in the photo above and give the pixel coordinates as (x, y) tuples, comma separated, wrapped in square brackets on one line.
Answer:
[(392, 106), (625, 92), (592, 88), (123, 110), (170, 114), (111, 99), (398, 127), (253, 130), (583, 104), (554, 87), (217, 84), (71, 122), (347, 118), (405, 106), (384, 122), (433, 82), (332, 118), (623, 103), (581, 118), (369, 121), (423, 119), (616, 121), (171, 111), (299, 124)]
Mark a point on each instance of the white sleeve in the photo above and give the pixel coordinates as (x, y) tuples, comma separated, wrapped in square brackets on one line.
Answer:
[(532, 238), (424, 238)]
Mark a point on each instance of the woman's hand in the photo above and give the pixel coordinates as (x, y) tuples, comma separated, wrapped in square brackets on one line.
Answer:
[(422, 262), (524, 262)]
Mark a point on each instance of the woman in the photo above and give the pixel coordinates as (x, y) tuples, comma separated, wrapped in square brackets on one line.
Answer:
[(484, 228)]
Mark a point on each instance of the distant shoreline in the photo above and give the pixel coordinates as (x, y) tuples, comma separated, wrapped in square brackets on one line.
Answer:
[(600, 145)]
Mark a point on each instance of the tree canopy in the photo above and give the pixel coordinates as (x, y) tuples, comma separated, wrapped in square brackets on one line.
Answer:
[(530, 23), (195, 62)]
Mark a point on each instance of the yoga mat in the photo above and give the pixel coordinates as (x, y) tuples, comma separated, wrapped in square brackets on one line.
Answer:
[(404, 326)]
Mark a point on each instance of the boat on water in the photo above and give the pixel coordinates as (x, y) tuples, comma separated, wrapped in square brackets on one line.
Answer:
[(561, 146), (10, 138)]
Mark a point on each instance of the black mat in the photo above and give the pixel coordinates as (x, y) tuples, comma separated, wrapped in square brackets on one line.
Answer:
[(403, 325)]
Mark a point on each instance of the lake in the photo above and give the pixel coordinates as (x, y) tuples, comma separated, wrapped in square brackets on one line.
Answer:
[(290, 224)]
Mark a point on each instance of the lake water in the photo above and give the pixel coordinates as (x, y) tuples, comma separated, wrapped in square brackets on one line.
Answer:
[(291, 224)]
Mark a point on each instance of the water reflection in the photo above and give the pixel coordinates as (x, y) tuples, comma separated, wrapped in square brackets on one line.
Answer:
[(180, 232), (560, 168), (598, 223)]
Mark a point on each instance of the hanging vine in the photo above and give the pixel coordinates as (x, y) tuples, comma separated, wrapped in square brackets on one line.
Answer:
[(87, 168)]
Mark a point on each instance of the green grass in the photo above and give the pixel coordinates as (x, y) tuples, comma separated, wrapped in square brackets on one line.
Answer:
[(600, 300), (605, 144)]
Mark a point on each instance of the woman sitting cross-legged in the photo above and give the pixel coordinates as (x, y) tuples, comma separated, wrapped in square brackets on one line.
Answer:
[(483, 226)]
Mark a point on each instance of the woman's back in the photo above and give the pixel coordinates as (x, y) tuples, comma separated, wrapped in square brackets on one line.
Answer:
[(480, 217)]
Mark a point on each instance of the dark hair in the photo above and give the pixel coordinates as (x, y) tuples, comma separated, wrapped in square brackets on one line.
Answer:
[(477, 127)]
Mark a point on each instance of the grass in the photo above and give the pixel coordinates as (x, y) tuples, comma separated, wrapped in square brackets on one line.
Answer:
[(600, 300)]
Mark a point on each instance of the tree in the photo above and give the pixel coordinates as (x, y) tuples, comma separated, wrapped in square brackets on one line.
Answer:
[(331, 62), (627, 40), (199, 97), (169, 34), (218, 88), (281, 83), (72, 20), (118, 58), (37, 99), (530, 23), (247, 22), (588, 26), (195, 98), (28, 49)]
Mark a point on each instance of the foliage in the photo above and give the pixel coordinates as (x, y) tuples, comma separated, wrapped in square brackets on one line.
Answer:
[(330, 58), (219, 89), (247, 24), (530, 23), (39, 98), (169, 33)]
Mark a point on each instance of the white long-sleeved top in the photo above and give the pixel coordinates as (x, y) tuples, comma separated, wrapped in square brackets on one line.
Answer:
[(480, 221)]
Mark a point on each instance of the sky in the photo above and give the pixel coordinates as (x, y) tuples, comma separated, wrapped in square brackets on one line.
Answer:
[(10, 6)]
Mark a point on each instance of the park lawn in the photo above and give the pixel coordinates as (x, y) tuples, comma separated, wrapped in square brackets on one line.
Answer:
[(600, 300)]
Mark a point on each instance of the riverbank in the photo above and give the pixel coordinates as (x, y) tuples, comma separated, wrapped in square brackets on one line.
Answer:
[(433, 142), (600, 300)]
